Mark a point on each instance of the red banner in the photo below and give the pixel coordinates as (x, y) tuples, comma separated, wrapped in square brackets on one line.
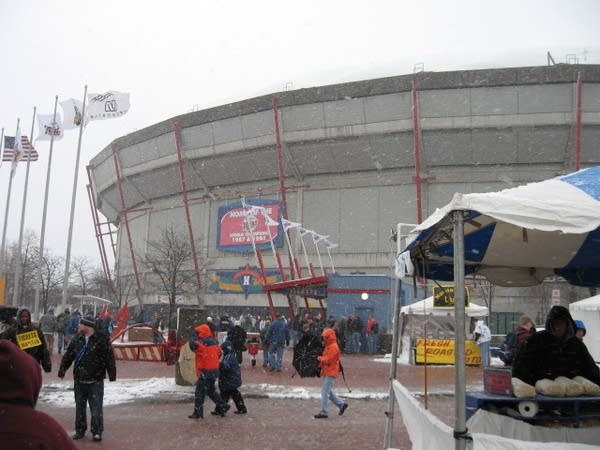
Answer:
[(235, 224)]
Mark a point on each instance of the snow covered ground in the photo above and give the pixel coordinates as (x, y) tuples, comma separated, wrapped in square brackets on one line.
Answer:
[(60, 393), (128, 390)]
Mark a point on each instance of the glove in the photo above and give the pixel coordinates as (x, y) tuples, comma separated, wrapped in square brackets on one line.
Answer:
[(61, 373), (287, 343), (47, 367)]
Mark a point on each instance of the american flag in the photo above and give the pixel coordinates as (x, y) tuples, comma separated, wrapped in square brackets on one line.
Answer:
[(9, 146)]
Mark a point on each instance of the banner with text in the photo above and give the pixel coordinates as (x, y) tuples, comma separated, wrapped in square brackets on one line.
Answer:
[(441, 351), (238, 226)]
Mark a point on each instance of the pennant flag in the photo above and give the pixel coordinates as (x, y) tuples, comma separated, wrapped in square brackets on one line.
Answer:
[(318, 238), (72, 114), (269, 221), (20, 152), (287, 224), (109, 105), (49, 127), (304, 231)]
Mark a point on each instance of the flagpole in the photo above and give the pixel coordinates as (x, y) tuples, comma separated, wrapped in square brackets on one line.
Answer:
[(38, 285), (3, 245), (2, 146), (19, 268), (73, 197)]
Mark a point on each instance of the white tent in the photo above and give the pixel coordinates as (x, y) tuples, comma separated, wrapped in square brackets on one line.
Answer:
[(425, 306), (438, 321), (588, 310), (515, 237)]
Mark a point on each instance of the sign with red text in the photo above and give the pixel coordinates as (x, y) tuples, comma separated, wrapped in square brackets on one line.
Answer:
[(441, 351), (241, 226)]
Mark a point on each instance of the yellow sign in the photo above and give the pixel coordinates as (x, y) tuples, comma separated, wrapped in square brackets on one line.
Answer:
[(444, 296), (441, 351), (28, 340)]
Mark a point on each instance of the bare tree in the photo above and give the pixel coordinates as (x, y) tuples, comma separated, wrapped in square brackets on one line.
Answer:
[(28, 262), (81, 270), (169, 260), (117, 290), (51, 276)]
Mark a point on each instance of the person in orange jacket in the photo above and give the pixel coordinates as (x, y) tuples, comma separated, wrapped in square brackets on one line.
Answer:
[(329, 362), (208, 354)]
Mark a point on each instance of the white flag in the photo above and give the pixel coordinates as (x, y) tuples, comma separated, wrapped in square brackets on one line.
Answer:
[(109, 105), (49, 128), (318, 238), (72, 113), (268, 221), (287, 224)]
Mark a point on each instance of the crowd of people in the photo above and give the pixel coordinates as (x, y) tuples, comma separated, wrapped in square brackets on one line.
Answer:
[(354, 334), (548, 355), (222, 363)]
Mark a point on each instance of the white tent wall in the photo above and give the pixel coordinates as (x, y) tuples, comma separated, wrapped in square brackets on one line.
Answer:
[(588, 310), (515, 237)]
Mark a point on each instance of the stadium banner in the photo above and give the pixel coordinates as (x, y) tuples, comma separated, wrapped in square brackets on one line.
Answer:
[(235, 221), (247, 280)]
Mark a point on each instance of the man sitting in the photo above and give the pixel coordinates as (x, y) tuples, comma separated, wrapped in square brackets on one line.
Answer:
[(554, 352)]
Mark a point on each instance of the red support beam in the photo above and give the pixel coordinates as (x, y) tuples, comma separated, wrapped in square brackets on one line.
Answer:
[(186, 207), (282, 190), (578, 103), (280, 160), (99, 234), (418, 179), (125, 220), (417, 152), (261, 265)]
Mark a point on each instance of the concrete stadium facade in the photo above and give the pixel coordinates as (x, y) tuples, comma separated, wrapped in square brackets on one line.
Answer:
[(349, 161)]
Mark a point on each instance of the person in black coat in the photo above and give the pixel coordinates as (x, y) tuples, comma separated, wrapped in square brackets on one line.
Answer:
[(92, 357), (555, 352), (230, 379), (237, 335), (29, 338)]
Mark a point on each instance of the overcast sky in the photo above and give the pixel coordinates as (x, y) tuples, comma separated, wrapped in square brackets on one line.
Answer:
[(180, 55)]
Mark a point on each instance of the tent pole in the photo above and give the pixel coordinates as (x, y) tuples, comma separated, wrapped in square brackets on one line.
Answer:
[(460, 429), (396, 297)]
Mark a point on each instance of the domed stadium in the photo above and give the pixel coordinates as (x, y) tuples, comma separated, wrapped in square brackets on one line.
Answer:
[(348, 162)]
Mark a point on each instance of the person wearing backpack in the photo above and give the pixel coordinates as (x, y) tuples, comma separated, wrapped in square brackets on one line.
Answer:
[(516, 338)]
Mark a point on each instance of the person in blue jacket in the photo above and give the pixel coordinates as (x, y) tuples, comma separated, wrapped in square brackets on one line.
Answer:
[(230, 379), (278, 335)]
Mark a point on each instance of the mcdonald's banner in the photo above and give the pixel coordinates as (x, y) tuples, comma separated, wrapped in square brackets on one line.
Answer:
[(441, 351)]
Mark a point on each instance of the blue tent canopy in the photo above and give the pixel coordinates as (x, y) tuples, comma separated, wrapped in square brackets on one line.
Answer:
[(518, 236)]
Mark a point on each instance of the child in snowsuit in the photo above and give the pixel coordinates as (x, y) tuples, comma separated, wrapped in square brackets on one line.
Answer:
[(230, 379), (208, 354)]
